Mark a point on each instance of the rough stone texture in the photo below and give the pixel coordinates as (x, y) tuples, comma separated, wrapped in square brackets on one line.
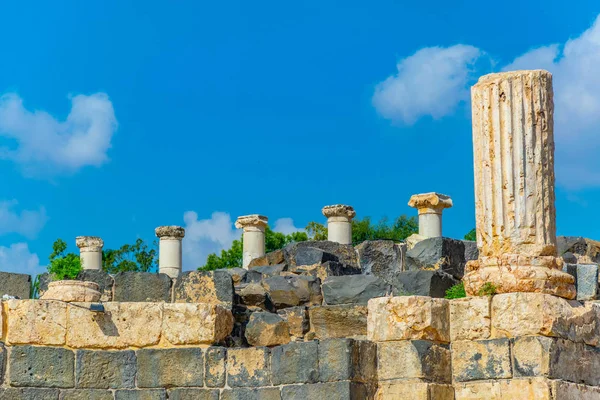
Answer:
[(470, 318), (248, 367), (193, 394), (38, 322), (422, 283), (408, 317), (584, 250), (251, 394), (145, 394), (381, 258), (352, 289), (290, 291), (12, 284), (142, 286), (297, 319), (413, 390), (214, 369), (253, 294), (104, 281), (338, 359), (532, 355), (28, 394), (170, 367), (193, 323), (2, 361), (267, 329), (586, 280), (121, 325), (347, 320), (237, 274), (213, 287), (295, 363), (572, 391), (511, 389), (70, 291), (312, 255), (406, 359), (170, 231), (438, 253), (481, 359), (329, 391), (41, 367), (272, 258), (345, 253), (471, 250), (327, 269), (105, 369), (86, 394), (574, 362)]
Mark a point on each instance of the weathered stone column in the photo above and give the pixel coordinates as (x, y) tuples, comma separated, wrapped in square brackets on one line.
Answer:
[(90, 251), (253, 237), (430, 207), (169, 249), (513, 140), (339, 223)]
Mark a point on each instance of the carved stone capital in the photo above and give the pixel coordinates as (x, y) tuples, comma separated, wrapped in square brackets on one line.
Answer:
[(170, 232), (339, 210), (253, 220), (89, 243), (428, 203)]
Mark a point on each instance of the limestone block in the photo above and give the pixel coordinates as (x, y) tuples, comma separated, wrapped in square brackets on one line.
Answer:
[(267, 329), (253, 294), (572, 391), (532, 355), (105, 369), (41, 322), (214, 369), (296, 362), (481, 359), (50, 367), (293, 290), (470, 318), (337, 359), (248, 367), (28, 394), (297, 319), (86, 394), (366, 368), (144, 394), (104, 281), (413, 390), (12, 284), (193, 394), (353, 289), (431, 283), (134, 286), (381, 258), (509, 389), (408, 317), (251, 394), (575, 362), (340, 321), (330, 391), (212, 287), (407, 359), (121, 325), (193, 323), (181, 367)]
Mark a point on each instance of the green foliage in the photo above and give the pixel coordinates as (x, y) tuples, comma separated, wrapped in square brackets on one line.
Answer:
[(316, 231), (488, 289), (365, 229), (456, 292), (63, 265), (136, 257), (472, 235)]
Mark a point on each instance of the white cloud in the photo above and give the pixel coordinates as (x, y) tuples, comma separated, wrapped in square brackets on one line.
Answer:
[(17, 258), (286, 226), (433, 81), (27, 223), (43, 145), (206, 236), (574, 66)]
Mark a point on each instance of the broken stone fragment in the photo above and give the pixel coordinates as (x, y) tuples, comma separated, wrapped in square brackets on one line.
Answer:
[(381, 258), (432, 283), (353, 289), (267, 329), (444, 254)]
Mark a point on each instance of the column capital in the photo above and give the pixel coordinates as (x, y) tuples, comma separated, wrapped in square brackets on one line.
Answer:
[(339, 210), (430, 203), (89, 243), (253, 220), (170, 232)]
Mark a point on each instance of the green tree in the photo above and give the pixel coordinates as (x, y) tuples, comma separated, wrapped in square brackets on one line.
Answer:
[(472, 235), (136, 257), (63, 265)]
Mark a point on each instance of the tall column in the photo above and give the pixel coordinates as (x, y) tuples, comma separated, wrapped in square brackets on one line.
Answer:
[(253, 236), (169, 249), (513, 141), (90, 251), (430, 207), (339, 223)]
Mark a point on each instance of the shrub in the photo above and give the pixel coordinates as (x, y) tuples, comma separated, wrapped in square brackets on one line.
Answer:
[(456, 292)]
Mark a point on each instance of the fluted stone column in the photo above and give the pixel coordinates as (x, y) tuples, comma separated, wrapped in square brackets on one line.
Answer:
[(253, 236), (339, 223), (430, 207), (513, 140), (90, 251), (169, 249)]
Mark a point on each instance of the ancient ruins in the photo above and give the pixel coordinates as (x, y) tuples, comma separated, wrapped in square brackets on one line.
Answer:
[(330, 320)]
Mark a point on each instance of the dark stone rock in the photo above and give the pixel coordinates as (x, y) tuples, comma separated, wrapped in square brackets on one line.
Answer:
[(145, 394), (258, 262), (43, 281), (471, 250), (272, 258), (330, 391), (252, 394), (253, 294), (105, 369), (41, 367), (2, 362), (481, 359), (142, 286), (28, 394), (586, 280), (343, 253), (104, 281), (293, 290), (295, 363), (423, 359), (86, 394), (204, 287), (422, 283), (438, 253), (237, 274), (347, 359), (366, 369), (18, 285), (170, 367), (215, 367), (580, 247), (312, 255), (297, 319), (248, 367), (193, 394), (569, 258), (381, 258), (269, 270), (532, 355), (267, 329), (329, 268), (353, 289), (346, 320)]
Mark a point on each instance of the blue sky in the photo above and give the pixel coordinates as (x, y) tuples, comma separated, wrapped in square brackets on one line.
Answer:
[(117, 117)]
